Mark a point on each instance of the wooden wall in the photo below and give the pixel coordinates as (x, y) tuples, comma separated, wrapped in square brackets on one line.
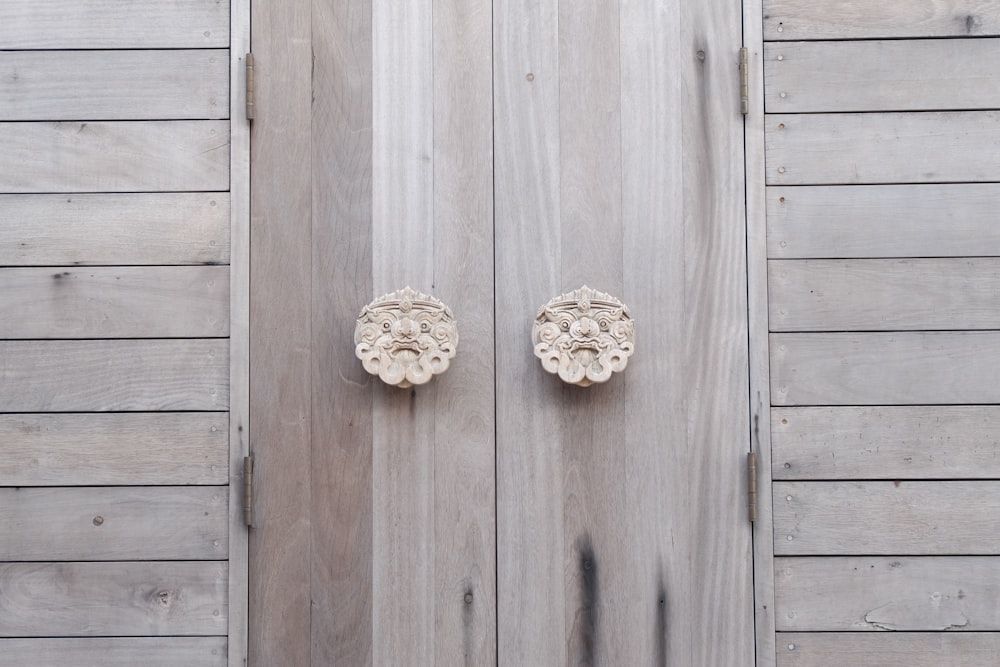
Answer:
[(881, 200), (497, 156), (120, 278)]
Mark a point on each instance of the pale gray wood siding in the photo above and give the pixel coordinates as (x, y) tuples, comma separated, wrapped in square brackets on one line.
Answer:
[(117, 270), (882, 140)]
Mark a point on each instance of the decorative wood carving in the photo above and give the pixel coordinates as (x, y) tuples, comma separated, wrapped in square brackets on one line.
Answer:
[(584, 336), (406, 337)]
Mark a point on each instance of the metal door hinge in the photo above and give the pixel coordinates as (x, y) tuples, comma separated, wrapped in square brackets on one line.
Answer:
[(250, 87), (248, 491), (752, 486), (744, 81)]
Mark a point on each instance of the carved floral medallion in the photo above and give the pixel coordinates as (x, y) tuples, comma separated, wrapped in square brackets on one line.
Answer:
[(406, 337), (584, 336)]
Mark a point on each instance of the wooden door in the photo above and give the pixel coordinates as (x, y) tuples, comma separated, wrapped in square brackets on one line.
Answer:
[(497, 155), (875, 270), (123, 332)]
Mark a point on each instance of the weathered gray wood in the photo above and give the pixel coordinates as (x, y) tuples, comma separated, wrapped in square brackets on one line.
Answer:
[(927, 147), (99, 24), (115, 523), (120, 302), (888, 593), (114, 85), (857, 19), (114, 448), (114, 156), (884, 294), (758, 225), (915, 518), (280, 341), (883, 221), (113, 599), (61, 230), (116, 651), (531, 547), (929, 442), (340, 604), (465, 628), (114, 375), (888, 649), (893, 75), (885, 368)]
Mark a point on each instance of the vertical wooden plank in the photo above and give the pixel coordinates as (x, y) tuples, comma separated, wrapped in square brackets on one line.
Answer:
[(757, 305), (464, 453), (716, 337), (403, 254), (239, 332), (280, 344), (341, 474), (652, 206), (530, 537)]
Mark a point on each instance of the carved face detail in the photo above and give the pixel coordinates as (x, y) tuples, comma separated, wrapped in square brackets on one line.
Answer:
[(584, 336), (406, 337)]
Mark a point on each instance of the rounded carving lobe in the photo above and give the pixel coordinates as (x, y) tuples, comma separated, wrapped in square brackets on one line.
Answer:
[(584, 336), (405, 337)]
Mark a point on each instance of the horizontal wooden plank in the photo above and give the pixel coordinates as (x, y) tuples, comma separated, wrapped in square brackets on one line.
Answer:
[(911, 442), (885, 518), (852, 148), (881, 75), (888, 649), (114, 523), (817, 593), (113, 599), (116, 651), (114, 449), (951, 220), (115, 302), (908, 368), (80, 229), (101, 24), (128, 156), (883, 294), (863, 19), (114, 375), (114, 85)]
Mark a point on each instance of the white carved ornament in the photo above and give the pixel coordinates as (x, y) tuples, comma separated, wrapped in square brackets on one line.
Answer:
[(406, 337), (584, 336)]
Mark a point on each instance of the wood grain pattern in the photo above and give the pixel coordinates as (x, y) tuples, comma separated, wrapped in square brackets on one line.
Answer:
[(914, 518), (113, 599), (120, 302), (114, 449), (114, 375), (340, 602), (114, 156), (531, 583), (465, 599), (892, 75), (859, 19), (883, 221), (884, 294), (114, 85), (281, 335), (957, 593), (927, 147), (62, 230), (929, 442), (885, 368), (888, 649), (117, 651), (115, 523), (99, 24)]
